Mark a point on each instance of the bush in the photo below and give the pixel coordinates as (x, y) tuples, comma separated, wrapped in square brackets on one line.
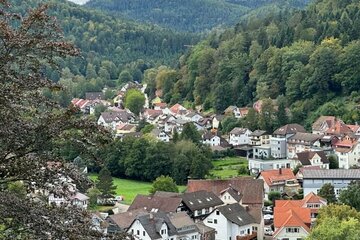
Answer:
[(267, 203), (243, 170)]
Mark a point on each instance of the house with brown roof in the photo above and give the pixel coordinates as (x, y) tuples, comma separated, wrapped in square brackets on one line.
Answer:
[(120, 222), (355, 129), (178, 110), (157, 203), (291, 222), (312, 158), (152, 115), (348, 151), (282, 180), (111, 119), (322, 124), (94, 96), (339, 129), (125, 128), (301, 142), (310, 201), (278, 140), (250, 191)]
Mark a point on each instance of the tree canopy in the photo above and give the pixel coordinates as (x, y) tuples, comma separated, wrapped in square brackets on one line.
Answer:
[(134, 101), (165, 184)]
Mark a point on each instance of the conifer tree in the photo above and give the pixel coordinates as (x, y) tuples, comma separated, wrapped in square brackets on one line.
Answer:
[(105, 183)]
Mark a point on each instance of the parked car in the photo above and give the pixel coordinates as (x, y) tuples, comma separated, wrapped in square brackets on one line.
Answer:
[(268, 231), (268, 217), (119, 198)]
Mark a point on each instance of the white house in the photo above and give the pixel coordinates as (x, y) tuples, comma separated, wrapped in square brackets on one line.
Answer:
[(314, 179), (161, 226), (216, 121), (291, 223), (161, 135), (211, 139), (312, 158), (193, 117), (231, 221), (256, 165), (301, 142), (239, 136), (278, 141), (111, 119), (348, 152)]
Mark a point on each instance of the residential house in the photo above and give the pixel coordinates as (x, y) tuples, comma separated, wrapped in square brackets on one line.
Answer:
[(245, 191), (322, 124), (160, 135), (159, 226), (207, 233), (291, 223), (160, 106), (94, 96), (193, 117), (232, 222), (260, 140), (199, 204), (76, 198), (125, 128), (152, 115), (310, 201), (111, 119), (348, 151), (157, 203), (312, 158), (211, 139), (203, 124), (178, 110), (327, 143), (239, 136), (98, 222), (251, 190), (243, 112), (301, 142), (278, 141), (355, 129), (314, 179), (232, 110), (216, 121), (339, 129), (282, 180), (256, 165), (120, 222)]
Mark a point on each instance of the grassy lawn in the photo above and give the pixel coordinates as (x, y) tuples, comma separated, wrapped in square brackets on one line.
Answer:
[(227, 167), (130, 188)]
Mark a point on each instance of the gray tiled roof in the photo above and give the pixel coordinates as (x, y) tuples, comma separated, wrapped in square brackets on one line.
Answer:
[(331, 173), (200, 200), (289, 129), (236, 214)]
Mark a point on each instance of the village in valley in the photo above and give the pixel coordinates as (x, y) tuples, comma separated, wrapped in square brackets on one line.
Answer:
[(277, 199)]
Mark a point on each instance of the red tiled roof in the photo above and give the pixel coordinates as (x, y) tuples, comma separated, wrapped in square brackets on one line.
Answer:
[(291, 217), (354, 128), (338, 129), (160, 104), (252, 190), (153, 113), (176, 108), (274, 175)]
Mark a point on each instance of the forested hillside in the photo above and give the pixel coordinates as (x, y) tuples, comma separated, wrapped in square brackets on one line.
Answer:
[(186, 15), (307, 59), (109, 45)]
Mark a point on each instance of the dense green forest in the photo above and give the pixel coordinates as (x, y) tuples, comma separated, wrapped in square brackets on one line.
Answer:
[(109, 46), (187, 15), (308, 59)]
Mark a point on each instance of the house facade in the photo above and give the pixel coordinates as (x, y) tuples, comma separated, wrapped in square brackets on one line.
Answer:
[(312, 158), (301, 142), (239, 136), (314, 179), (281, 180), (278, 141), (348, 152), (232, 221)]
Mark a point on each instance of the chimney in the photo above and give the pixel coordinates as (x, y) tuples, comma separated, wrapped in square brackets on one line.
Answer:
[(151, 216), (280, 170)]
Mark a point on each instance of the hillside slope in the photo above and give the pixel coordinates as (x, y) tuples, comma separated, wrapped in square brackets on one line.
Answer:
[(185, 15), (304, 58)]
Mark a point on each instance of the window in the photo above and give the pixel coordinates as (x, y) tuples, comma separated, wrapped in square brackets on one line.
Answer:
[(215, 221), (210, 220), (193, 237), (137, 232), (217, 213), (292, 230), (143, 233)]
